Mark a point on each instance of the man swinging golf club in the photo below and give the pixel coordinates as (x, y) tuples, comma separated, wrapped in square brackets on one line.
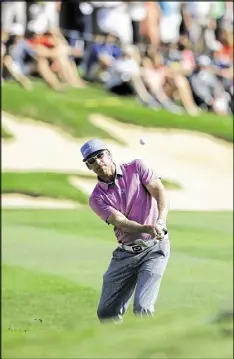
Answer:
[(132, 198)]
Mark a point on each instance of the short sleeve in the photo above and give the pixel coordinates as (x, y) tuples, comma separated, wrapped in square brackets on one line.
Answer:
[(147, 175), (101, 208)]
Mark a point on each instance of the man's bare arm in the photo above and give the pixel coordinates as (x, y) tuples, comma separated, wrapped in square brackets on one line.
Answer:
[(157, 190), (120, 221)]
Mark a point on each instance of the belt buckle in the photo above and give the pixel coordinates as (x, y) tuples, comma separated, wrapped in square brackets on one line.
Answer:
[(136, 248)]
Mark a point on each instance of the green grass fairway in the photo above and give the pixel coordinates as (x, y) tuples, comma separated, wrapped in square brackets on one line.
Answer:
[(53, 262)]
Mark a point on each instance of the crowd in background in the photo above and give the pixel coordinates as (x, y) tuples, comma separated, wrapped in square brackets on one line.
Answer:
[(172, 55)]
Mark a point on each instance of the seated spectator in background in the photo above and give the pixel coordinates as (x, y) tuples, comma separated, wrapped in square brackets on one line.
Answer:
[(16, 51), (154, 77), (224, 54), (223, 61), (166, 84), (100, 55), (208, 92), (180, 57), (54, 61), (125, 77)]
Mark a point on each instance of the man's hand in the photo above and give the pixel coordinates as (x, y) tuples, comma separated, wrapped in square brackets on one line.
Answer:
[(150, 230), (154, 231)]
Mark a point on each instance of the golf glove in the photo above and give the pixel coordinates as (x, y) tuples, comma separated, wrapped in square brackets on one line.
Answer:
[(161, 224)]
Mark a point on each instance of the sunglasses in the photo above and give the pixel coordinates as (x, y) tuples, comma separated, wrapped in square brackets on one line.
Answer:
[(92, 160)]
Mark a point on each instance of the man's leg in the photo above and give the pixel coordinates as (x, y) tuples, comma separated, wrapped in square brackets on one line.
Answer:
[(149, 278), (118, 285)]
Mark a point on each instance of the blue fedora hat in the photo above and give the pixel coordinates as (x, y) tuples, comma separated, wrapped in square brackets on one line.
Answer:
[(92, 146)]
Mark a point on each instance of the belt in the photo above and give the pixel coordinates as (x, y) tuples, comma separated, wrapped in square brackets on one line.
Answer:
[(139, 246)]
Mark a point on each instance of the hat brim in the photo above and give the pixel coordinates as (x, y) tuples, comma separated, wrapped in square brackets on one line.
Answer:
[(91, 154)]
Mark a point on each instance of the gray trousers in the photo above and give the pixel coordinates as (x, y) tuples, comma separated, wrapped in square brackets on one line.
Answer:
[(127, 272)]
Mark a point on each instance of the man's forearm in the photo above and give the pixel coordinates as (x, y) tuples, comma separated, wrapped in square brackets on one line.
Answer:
[(129, 226), (162, 201)]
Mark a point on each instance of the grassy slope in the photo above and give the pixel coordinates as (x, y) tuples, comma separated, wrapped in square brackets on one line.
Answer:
[(54, 185), (53, 263), (70, 111), (5, 134)]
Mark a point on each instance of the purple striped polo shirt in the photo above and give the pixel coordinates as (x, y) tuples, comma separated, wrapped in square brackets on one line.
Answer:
[(129, 196)]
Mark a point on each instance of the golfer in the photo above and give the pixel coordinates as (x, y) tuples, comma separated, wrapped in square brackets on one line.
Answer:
[(132, 198)]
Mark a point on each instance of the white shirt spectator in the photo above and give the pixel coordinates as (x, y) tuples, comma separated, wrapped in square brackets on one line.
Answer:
[(46, 13), (137, 10), (13, 10), (200, 10), (113, 18), (170, 21)]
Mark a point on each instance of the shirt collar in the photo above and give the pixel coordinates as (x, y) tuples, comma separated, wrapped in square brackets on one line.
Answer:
[(119, 173)]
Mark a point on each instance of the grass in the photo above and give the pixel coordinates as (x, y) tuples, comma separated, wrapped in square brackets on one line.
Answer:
[(70, 111), (53, 262), (6, 134), (54, 185)]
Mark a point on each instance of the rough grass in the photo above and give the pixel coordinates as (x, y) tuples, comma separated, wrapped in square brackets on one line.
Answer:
[(70, 111), (53, 262), (54, 185), (35, 184)]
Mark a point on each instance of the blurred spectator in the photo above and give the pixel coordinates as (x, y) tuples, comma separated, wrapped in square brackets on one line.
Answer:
[(196, 18), (154, 76), (207, 90), (224, 54), (211, 43), (125, 77), (149, 26), (100, 55), (15, 53), (180, 57), (137, 13), (129, 14), (13, 11), (166, 84), (170, 21), (54, 57), (109, 17), (72, 23), (44, 12)]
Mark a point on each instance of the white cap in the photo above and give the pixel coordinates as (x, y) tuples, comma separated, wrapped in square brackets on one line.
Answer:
[(17, 29)]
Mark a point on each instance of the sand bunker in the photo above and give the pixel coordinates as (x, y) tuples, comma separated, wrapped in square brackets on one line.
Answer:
[(201, 164)]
